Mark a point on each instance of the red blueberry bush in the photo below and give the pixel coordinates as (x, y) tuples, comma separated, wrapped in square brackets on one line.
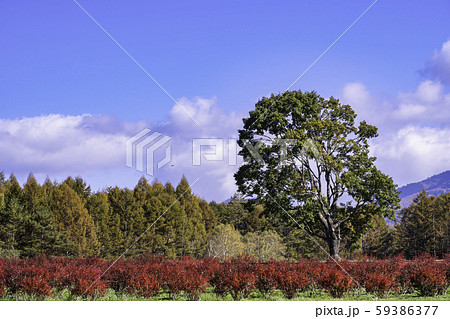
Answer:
[(266, 278), (148, 276), (235, 276), (380, 284), (85, 278), (429, 277), (291, 279), (335, 281)]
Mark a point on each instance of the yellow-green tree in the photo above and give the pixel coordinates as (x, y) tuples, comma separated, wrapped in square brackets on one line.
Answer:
[(424, 226), (224, 242), (74, 219), (193, 228), (107, 225), (264, 245), (379, 239)]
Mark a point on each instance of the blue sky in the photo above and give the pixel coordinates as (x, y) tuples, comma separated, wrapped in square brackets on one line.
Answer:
[(69, 96)]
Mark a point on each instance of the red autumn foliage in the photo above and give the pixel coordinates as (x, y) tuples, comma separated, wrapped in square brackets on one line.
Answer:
[(335, 281), (2, 279), (195, 277), (428, 277), (380, 284), (142, 284), (266, 278), (235, 276), (26, 277), (84, 277), (376, 276), (291, 279), (147, 276)]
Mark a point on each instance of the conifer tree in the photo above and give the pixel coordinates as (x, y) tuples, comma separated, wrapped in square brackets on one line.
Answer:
[(38, 235), (73, 218), (11, 215), (79, 186), (193, 230), (208, 215), (33, 195), (132, 220), (379, 240), (172, 229), (423, 226), (107, 226)]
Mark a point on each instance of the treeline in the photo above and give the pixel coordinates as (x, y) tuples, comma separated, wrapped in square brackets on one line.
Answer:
[(421, 228), (68, 219)]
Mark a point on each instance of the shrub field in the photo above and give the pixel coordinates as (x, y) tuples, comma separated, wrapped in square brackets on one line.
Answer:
[(157, 278)]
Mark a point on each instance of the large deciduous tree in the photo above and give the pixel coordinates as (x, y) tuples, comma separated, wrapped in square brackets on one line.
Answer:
[(306, 158)]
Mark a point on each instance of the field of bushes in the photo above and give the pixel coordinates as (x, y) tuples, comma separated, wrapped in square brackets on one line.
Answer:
[(157, 278)]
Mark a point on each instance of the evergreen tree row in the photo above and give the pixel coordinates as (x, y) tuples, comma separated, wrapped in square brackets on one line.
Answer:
[(67, 219), (422, 228)]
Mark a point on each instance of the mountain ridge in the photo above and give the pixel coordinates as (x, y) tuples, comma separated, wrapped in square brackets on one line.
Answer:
[(434, 185)]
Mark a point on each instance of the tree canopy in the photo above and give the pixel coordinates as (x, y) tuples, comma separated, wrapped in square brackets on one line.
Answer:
[(308, 162)]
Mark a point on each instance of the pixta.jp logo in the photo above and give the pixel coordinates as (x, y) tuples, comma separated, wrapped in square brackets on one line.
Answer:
[(143, 147)]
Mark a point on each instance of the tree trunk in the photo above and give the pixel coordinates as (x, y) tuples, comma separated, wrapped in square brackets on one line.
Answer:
[(333, 244)]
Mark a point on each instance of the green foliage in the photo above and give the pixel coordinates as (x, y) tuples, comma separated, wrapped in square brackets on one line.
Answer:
[(379, 239), (242, 215), (424, 226), (107, 226), (67, 219), (73, 218), (302, 154), (38, 234), (193, 229)]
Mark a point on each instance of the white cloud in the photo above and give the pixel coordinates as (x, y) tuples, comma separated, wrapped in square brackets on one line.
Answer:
[(366, 106), (413, 153), (438, 66), (356, 93), (216, 177), (428, 102), (414, 128), (427, 92), (53, 143), (413, 143), (61, 145), (408, 111), (211, 119)]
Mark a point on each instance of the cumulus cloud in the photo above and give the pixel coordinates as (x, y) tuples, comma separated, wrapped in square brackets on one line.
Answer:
[(428, 102), (87, 145), (413, 153), (366, 106), (438, 67), (213, 122), (414, 132), (53, 143), (414, 127), (215, 177), (414, 137)]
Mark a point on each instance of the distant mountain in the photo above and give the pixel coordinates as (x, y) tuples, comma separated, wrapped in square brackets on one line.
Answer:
[(434, 185)]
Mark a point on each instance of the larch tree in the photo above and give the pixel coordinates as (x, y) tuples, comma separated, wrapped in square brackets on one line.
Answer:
[(73, 218), (424, 226), (193, 229)]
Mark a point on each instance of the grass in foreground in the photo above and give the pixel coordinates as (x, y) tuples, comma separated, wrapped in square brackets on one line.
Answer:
[(111, 295)]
